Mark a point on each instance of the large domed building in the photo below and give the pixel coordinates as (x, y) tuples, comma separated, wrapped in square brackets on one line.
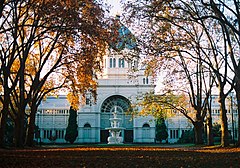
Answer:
[(119, 85), (116, 88)]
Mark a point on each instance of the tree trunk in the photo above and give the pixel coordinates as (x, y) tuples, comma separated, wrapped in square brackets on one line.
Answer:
[(224, 123), (4, 115), (210, 139), (238, 130), (198, 132), (237, 90), (31, 127), (19, 131), (3, 127)]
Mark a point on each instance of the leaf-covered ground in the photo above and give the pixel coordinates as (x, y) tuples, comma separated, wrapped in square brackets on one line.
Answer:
[(121, 157)]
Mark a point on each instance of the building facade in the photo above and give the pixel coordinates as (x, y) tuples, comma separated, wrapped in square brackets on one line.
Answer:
[(115, 88)]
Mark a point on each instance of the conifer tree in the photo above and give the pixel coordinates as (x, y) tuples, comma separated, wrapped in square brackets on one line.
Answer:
[(72, 132), (161, 130)]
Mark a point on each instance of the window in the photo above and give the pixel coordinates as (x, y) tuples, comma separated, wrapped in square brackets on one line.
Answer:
[(174, 134), (44, 134), (87, 131), (111, 62), (183, 132), (146, 80), (60, 134), (87, 126), (88, 101), (121, 63), (62, 111), (114, 62), (146, 131), (47, 134)]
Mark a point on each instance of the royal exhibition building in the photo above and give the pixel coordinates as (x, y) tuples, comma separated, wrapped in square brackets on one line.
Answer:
[(115, 92)]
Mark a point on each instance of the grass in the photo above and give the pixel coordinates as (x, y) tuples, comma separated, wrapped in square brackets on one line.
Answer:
[(121, 156)]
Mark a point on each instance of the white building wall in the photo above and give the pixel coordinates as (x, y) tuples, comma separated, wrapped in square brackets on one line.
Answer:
[(176, 125), (144, 134), (55, 118), (88, 135)]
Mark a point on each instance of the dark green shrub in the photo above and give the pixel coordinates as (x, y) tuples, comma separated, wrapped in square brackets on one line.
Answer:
[(187, 137), (72, 128)]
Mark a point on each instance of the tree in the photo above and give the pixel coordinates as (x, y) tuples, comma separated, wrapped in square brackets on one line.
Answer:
[(40, 41), (172, 43), (9, 55), (161, 130), (227, 14), (72, 128), (1, 7), (189, 30)]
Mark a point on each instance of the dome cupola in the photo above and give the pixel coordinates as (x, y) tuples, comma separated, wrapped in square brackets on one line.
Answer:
[(124, 38)]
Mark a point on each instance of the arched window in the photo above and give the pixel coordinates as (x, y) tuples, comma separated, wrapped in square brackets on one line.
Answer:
[(122, 105), (146, 125), (87, 131), (119, 101), (114, 62), (146, 131), (111, 62), (121, 63), (87, 125), (144, 80)]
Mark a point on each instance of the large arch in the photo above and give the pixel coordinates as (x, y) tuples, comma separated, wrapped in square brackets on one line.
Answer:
[(123, 106)]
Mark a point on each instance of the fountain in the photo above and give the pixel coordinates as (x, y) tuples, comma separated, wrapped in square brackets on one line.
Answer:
[(115, 129)]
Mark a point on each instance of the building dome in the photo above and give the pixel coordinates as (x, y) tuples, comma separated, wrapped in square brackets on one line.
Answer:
[(125, 39)]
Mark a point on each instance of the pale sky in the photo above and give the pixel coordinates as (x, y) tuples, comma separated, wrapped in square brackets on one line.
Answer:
[(116, 7)]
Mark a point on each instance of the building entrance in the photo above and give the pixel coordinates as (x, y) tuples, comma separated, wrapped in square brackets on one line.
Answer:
[(123, 109)]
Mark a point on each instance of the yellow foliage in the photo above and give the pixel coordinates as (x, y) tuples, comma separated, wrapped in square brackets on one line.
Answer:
[(161, 106), (73, 100), (60, 37), (15, 66)]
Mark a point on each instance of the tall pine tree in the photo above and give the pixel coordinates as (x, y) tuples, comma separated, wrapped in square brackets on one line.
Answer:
[(72, 132), (161, 130)]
